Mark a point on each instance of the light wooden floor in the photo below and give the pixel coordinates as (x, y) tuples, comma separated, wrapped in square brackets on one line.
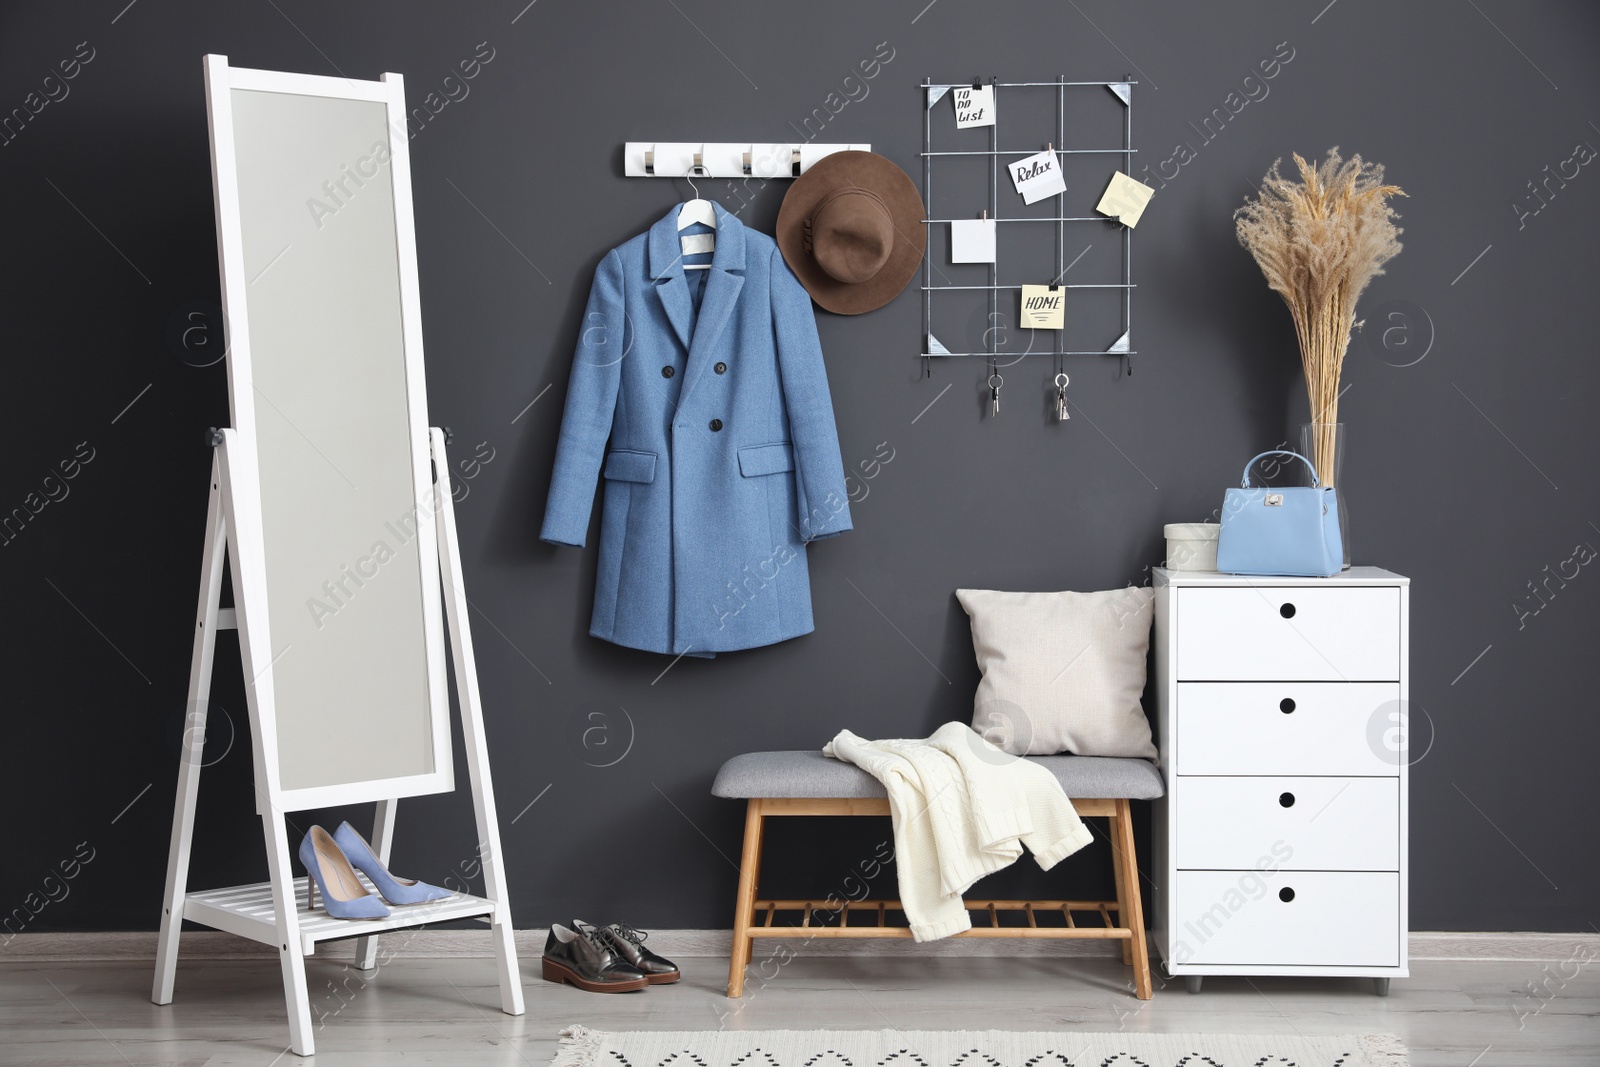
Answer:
[(443, 1011)]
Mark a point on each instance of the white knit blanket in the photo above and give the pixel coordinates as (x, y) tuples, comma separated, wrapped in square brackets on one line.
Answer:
[(962, 809)]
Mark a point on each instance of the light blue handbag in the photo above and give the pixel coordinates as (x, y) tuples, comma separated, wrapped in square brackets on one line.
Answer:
[(1291, 531)]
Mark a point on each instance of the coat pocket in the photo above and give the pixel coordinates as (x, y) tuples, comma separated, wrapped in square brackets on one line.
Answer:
[(624, 465), (766, 459)]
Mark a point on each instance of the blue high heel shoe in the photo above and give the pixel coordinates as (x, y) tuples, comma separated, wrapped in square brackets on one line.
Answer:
[(343, 895), (394, 890)]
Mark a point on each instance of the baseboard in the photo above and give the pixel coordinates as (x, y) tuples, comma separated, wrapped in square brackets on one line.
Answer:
[(1537, 947), (688, 944)]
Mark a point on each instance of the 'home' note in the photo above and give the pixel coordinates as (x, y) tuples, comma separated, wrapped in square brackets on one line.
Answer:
[(1043, 307)]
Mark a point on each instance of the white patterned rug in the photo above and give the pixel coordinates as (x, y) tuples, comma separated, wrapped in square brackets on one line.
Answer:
[(582, 1047)]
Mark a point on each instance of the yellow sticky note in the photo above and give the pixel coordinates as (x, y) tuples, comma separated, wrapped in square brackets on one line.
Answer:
[(1043, 307), (1125, 199)]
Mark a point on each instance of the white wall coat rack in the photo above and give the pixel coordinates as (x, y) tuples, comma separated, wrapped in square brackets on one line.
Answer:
[(681, 159), (335, 520)]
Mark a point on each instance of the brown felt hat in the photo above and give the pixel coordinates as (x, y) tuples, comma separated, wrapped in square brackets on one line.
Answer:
[(851, 229)]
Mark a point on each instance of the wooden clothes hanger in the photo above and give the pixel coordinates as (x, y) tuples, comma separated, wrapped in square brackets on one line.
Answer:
[(692, 212)]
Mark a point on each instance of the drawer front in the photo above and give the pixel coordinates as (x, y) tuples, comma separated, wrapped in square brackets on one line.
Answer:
[(1334, 919), (1288, 728), (1304, 824), (1289, 633)]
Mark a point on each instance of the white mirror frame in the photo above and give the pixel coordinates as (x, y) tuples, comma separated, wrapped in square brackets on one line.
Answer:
[(250, 579)]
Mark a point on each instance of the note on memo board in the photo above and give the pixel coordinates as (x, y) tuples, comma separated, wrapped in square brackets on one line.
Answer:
[(974, 106), (1038, 176), (972, 241), (1043, 307), (1125, 199)]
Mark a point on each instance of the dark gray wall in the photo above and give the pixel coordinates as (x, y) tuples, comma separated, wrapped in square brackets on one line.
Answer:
[(1471, 470)]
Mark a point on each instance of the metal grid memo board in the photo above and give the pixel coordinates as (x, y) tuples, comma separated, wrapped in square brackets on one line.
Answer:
[(933, 93)]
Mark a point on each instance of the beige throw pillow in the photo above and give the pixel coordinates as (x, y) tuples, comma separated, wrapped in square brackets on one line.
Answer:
[(1062, 672)]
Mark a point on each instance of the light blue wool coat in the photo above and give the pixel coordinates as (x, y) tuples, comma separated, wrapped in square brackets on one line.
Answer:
[(699, 398)]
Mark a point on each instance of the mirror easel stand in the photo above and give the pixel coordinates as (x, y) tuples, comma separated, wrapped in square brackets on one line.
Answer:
[(270, 912)]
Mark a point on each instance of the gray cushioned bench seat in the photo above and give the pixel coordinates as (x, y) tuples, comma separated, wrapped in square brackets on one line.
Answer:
[(808, 773)]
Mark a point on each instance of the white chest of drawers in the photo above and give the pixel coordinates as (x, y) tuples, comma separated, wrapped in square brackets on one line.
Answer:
[(1280, 847)]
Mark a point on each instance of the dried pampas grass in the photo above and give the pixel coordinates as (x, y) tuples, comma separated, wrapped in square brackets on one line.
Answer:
[(1319, 240)]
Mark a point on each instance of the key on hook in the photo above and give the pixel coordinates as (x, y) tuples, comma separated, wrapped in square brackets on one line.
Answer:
[(1061, 397), (995, 382)]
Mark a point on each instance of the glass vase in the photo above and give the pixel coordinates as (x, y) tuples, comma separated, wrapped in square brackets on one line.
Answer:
[(1323, 444)]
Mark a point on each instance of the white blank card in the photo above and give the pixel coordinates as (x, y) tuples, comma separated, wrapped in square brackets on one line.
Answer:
[(972, 241)]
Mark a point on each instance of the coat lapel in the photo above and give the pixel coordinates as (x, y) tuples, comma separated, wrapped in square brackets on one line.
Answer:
[(666, 267), (725, 281)]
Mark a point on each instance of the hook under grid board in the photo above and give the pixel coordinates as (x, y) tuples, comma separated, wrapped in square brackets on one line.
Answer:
[(933, 93)]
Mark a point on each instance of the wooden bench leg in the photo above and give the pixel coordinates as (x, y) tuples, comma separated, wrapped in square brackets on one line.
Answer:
[(744, 908), (1122, 890), (1129, 901)]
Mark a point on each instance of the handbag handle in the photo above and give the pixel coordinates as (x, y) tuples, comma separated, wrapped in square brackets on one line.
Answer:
[(1316, 483)]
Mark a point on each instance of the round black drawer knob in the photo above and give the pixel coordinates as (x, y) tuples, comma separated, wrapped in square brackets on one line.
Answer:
[(667, 372), (1286, 894), (1287, 611), (1286, 800), (716, 425), (1286, 705), (721, 368)]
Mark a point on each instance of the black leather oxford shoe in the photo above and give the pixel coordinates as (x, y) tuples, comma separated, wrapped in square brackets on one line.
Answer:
[(628, 943), (584, 958)]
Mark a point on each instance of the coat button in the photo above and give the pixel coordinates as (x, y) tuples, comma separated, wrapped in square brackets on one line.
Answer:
[(667, 372), (721, 368), (716, 424)]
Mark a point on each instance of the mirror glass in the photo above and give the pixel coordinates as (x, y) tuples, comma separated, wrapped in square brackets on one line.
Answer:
[(334, 438)]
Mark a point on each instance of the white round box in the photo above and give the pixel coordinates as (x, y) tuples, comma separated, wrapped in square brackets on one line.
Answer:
[(1192, 546)]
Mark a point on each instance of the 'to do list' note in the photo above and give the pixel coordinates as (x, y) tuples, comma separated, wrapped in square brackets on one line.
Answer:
[(974, 106), (1038, 176)]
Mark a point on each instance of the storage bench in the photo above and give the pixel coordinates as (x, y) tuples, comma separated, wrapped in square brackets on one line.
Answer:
[(809, 783)]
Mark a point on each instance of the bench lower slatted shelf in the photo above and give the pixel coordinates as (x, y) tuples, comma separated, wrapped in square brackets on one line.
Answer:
[(246, 910), (1062, 924)]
